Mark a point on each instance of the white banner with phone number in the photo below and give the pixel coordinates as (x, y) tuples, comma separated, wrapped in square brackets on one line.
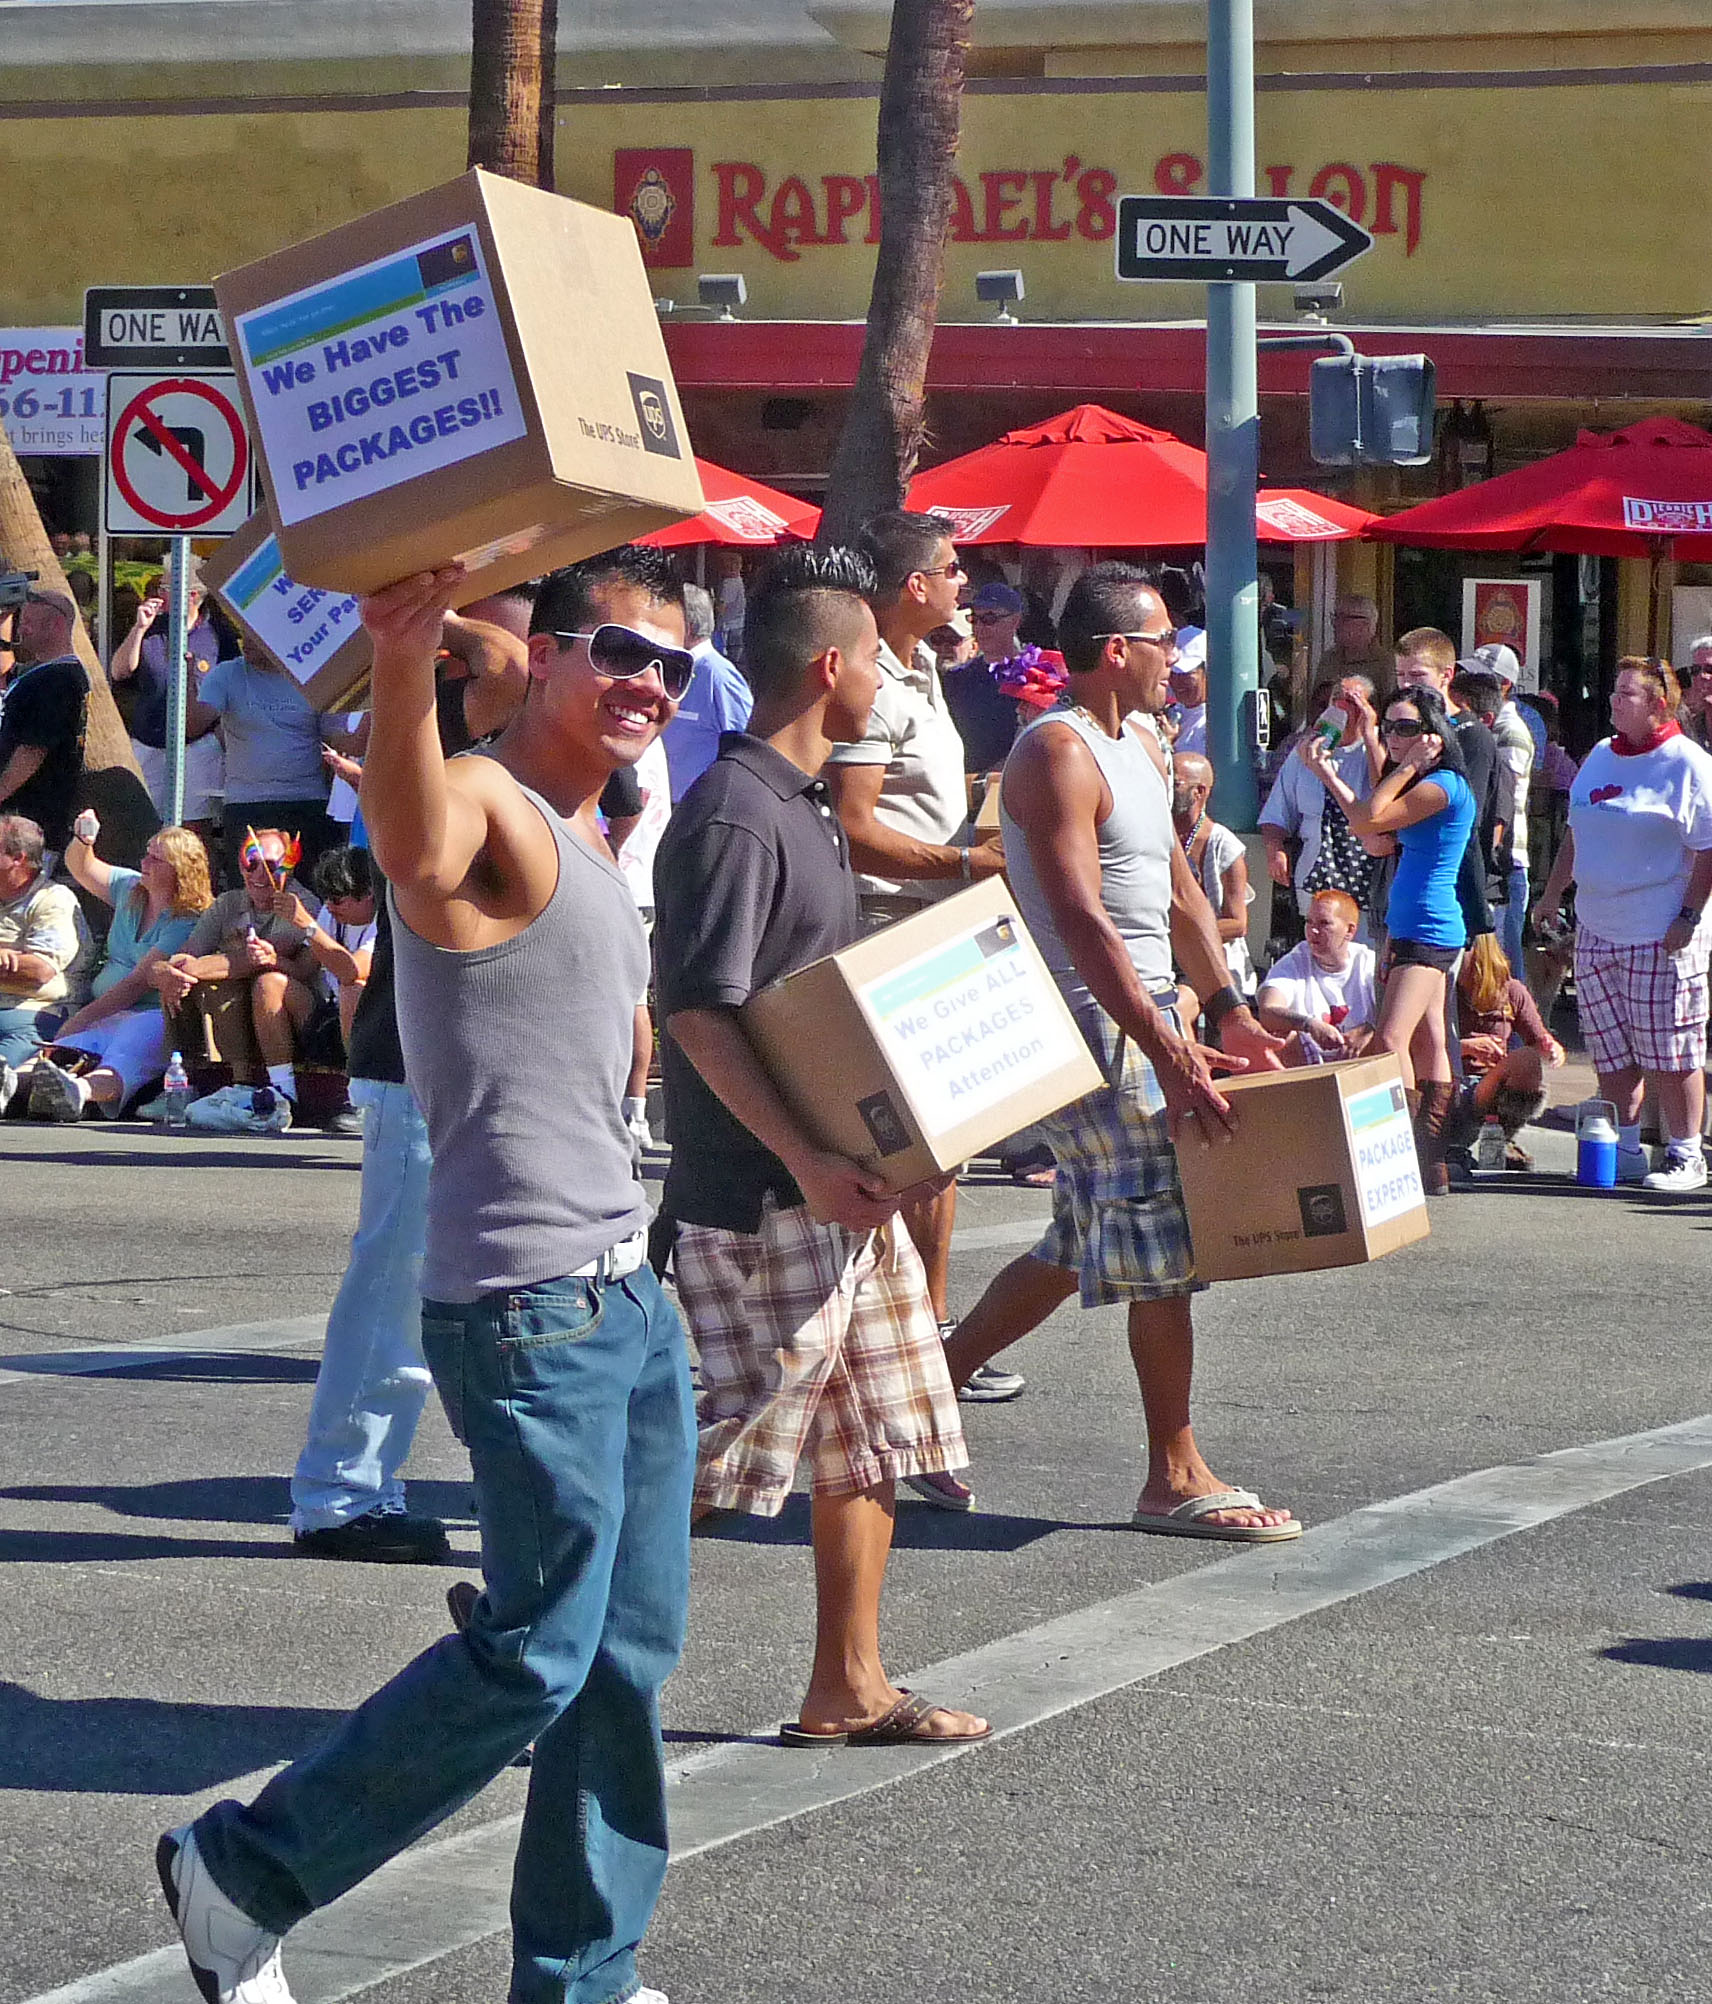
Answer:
[(50, 404)]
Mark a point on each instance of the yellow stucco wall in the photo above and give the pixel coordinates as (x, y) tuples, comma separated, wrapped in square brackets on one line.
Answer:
[(1553, 201)]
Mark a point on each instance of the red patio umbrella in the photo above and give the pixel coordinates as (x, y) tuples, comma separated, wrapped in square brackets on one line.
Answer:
[(1093, 479), (1644, 491), (741, 514)]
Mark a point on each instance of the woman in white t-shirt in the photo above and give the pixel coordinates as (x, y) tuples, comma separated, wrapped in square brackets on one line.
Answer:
[(1322, 995), (1639, 850)]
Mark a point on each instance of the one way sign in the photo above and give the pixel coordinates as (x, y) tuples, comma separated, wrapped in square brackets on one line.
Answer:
[(1259, 240)]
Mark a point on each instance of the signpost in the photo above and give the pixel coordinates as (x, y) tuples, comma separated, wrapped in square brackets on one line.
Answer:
[(1254, 240), (178, 453), (1231, 241)]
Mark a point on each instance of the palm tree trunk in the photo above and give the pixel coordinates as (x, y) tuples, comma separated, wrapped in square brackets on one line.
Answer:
[(112, 785), (513, 61), (921, 106)]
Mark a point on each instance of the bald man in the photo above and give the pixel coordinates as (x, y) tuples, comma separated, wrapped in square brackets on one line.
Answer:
[(42, 725), (1218, 859)]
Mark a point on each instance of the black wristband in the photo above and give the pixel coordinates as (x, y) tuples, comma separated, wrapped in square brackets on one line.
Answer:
[(1693, 917), (1217, 1007)]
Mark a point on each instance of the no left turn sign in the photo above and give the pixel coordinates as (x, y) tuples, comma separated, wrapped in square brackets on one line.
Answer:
[(178, 456)]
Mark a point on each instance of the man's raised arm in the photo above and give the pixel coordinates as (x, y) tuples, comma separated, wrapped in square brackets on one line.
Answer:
[(424, 832)]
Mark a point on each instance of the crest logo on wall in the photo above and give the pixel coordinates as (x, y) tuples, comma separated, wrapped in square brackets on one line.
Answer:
[(655, 187)]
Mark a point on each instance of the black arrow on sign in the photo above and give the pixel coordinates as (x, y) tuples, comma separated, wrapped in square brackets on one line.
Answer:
[(195, 444)]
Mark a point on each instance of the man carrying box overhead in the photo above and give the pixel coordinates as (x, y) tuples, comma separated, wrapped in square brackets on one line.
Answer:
[(519, 959), (1104, 887), (807, 1297)]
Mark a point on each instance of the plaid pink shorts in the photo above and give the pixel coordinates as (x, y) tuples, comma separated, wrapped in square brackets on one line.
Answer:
[(1640, 1006), (814, 1341)]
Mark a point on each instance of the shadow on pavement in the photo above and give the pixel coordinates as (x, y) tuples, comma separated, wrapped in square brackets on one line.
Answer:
[(215, 1368), (1691, 1590), (1664, 1652), (223, 1499), (193, 1157), (142, 1746), (920, 1528)]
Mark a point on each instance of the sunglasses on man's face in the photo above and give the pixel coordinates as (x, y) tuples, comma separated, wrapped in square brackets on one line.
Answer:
[(620, 653)]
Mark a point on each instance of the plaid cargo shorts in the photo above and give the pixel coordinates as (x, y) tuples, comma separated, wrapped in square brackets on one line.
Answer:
[(814, 1341), (1118, 1221), (1641, 1006)]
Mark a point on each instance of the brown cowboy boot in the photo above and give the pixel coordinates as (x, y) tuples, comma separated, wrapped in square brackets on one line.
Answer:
[(1434, 1099)]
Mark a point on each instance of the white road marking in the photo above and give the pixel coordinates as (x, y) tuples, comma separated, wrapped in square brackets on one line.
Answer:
[(443, 1896)]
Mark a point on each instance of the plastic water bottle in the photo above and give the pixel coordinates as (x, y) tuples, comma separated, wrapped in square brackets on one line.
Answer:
[(1334, 721), (1596, 1144), (1490, 1144), (178, 1093)]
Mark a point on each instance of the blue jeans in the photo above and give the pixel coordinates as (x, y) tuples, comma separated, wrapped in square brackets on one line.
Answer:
[(1512, 918), (373, 1384), (573, 1399), (24, 1030)]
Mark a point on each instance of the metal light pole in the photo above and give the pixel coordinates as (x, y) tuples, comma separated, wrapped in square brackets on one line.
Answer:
[(177, 635), (1233, 434)]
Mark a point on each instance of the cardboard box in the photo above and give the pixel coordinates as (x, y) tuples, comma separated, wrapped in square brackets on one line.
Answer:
[(986, 822), (316, 636), (923, 1044), (1322, 1172), (475, 373)]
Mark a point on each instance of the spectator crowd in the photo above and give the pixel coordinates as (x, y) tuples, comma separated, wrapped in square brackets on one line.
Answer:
[(646, 805)]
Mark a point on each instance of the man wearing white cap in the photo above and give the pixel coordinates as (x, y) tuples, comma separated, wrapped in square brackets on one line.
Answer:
[(1516, 754)]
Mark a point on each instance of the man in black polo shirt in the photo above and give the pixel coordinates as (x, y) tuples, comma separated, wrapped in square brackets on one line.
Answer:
[(807, 1298), (42, 723)]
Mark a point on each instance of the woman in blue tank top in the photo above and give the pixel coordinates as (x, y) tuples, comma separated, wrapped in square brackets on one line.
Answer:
[(1425, 802)]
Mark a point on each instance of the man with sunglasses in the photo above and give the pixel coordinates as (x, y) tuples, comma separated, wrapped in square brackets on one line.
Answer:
[(1113, 904), (1695, 715), (518, 961), (904, 802)]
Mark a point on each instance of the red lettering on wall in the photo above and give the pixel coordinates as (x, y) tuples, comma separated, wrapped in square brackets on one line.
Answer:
[(1388, 177), (846, 197), (741, 186), (1178, 174), (1343, 186), (1002, 191), (1046, 230), (792, 216), (1022, 204)]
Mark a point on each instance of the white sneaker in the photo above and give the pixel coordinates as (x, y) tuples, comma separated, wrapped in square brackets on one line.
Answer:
[(232, 1959), (1633, 1165), (55, 1094), (8, 1084), (1680, 1175), (241, 1110)]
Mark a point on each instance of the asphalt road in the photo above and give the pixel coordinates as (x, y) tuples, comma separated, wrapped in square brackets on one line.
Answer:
[(1477, 1772)]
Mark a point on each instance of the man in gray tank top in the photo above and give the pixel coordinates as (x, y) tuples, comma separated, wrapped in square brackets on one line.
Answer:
[(519, 960), (1085, 806)]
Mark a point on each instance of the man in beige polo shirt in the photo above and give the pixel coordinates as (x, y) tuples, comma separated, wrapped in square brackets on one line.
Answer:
[(904, 802)]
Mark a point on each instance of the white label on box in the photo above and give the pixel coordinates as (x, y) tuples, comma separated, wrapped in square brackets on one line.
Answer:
[(968, 1023), (1387, 1168), (380, 375), (303, 627)]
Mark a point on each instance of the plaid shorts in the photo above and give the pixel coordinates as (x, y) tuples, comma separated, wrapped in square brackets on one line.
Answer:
[(814, 1341), (1640, 1006), (1118, 1221)]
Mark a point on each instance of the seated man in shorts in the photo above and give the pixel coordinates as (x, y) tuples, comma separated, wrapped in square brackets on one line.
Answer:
[(249, 974), (1321, 997)]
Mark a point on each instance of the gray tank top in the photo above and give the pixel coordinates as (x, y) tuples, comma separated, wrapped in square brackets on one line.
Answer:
[(1136, 841), (518, 1055)]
